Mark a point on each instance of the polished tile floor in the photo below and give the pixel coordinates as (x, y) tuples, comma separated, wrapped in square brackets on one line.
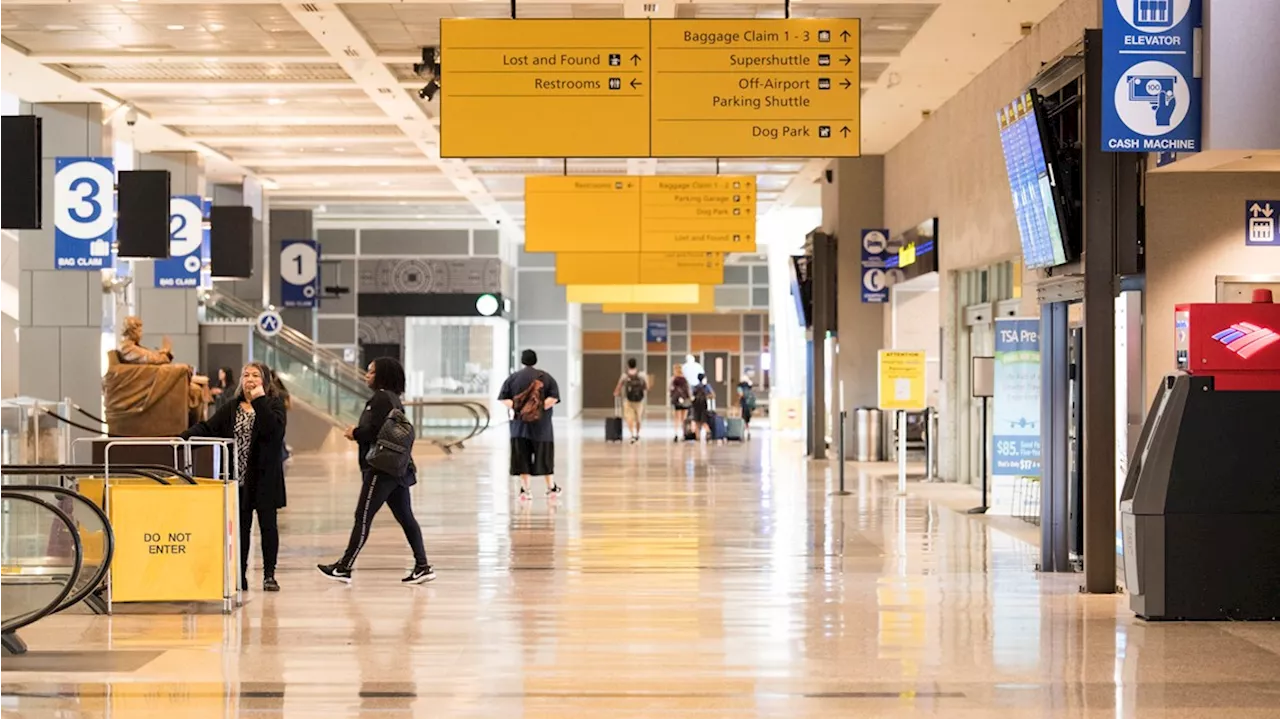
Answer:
[(668, 581)]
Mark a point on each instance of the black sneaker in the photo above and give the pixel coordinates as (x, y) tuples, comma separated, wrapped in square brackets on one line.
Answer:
[(336, 572), (554, 491), (270, 585), (420, 575), (524, 493)]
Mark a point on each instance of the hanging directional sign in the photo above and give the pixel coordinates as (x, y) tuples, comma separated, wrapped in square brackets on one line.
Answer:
[(756, 88), (188, 247), (1260, 220), (1150, 76), (626, 215), (651, 88), (545, 88), (84, 212), (270, 323), (640, 268), (299, 273)]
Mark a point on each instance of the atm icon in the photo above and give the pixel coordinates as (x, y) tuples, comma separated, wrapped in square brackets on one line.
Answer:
[(1246, 339)]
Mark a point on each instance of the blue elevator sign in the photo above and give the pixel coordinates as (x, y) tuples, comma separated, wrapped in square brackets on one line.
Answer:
[(1151, 76)]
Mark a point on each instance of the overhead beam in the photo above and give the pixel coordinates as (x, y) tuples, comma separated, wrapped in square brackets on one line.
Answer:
[(273, 120)]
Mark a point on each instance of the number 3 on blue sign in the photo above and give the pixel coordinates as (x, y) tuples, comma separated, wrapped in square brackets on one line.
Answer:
[(83, 212)]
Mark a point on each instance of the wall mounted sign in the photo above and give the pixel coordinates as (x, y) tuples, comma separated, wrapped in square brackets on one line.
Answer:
[(1260, 220), (300, 273), (875, 248), (188, 244), (1150, 75), (84, 212), (655, 331)]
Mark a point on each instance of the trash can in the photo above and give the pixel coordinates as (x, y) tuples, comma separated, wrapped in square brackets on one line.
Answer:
[(868, 435)]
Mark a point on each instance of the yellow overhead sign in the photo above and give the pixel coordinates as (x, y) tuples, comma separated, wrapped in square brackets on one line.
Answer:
[(632, 294), (544, 88), (659, 213), (706, 303), (901, 376), (649, 268), (651, 88)]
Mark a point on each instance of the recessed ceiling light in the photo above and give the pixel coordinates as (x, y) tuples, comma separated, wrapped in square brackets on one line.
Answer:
[(211, 27), (176, 27), (322, 183), (384, 183), (894, 27), (420, 217), (339, 149), (275, 101), (60, 28), (322, 208)]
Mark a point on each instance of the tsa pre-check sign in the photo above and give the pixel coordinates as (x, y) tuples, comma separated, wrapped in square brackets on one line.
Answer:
[(1150, 76), (187, 245), (84, 212)]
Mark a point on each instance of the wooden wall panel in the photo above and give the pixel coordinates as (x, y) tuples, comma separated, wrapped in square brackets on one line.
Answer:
[(601, 341), (600, 374), (706, 342)]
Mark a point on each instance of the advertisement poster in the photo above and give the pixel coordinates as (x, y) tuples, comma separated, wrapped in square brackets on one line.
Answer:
[(1016, 412)]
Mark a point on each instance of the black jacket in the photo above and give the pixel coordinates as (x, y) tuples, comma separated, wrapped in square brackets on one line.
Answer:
[(371, 421), (264, 481)]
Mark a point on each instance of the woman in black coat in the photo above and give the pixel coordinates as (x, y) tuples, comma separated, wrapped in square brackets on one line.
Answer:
[(255, 419)]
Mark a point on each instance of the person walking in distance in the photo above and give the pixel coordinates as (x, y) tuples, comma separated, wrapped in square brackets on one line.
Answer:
[(702, 396), (254, 416), (531, 394), (632, 387), (681, 401), (385, 376)]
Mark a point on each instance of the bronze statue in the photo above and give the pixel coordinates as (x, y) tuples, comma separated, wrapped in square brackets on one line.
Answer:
[(148, 394), (131, 350)]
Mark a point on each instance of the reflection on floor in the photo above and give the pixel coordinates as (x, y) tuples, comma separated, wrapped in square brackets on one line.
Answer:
[(671, 580)]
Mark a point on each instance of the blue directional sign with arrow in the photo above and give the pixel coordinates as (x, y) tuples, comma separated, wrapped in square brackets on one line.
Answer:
[(1260, 220)]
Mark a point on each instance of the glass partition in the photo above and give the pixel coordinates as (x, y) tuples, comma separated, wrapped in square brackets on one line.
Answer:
[(456, 357)]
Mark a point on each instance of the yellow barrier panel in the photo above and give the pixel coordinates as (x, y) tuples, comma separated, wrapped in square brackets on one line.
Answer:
[(170, 542), (620, 214), (642, 268), (632, 294), (545, 88)]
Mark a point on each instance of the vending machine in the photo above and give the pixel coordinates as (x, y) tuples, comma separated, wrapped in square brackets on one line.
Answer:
[(1200, 508)]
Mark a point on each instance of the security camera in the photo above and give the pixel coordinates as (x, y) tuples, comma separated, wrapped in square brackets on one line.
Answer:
[(429, 90), (131, 118), (429, 68)]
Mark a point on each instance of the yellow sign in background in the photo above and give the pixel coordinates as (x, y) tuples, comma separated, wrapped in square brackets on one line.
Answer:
[(706, 303), (901, 379), (651, 88), (169, 543), (659, 213), (649, 268), (544, 88), (632, 294)]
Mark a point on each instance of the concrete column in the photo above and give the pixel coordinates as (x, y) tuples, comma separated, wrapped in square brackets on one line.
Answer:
[(61, 340), (288, 225), (169, 311), (853, 200), (547, 323)]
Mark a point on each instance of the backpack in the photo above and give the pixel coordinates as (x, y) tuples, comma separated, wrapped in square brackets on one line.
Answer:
[(700, 396), (391, 454), (749, 399), (634, 387), (528, 404)]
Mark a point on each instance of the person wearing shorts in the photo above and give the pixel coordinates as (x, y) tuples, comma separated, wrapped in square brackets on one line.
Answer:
[(533, 447), (632, 388)]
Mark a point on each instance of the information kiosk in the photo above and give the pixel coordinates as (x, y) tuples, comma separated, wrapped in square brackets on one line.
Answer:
[(1200, 508)]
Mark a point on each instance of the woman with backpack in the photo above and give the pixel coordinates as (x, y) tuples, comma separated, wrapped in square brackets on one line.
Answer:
[(746, 403), (681, 401), (702, 396), (385, 376)]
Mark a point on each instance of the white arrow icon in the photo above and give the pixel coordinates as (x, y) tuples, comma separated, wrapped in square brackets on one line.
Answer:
[(1257, 211)]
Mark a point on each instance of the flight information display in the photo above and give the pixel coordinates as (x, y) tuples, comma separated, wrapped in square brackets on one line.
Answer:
[(1031, 184)]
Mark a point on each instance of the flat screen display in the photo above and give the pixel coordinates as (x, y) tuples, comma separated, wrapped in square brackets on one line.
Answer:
[(1032, 184)]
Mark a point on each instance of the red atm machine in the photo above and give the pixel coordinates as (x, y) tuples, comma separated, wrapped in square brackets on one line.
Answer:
[(1200, 508)]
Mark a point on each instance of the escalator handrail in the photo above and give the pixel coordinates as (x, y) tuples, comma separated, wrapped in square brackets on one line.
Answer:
[(20, 622), (108, 539), (158, 472), (470, 406)]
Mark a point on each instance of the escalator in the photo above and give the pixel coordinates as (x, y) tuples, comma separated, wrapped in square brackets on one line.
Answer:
[(56, 551), (335, 388)]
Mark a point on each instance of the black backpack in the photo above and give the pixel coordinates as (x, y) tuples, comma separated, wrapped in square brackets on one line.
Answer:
[(392, 453), (634, 386)]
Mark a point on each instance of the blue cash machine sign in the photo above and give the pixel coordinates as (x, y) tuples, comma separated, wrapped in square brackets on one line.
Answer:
[(1150, 81)]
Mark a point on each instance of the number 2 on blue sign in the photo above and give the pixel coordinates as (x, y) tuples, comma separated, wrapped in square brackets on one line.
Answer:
[(175, 233), (89, 198)]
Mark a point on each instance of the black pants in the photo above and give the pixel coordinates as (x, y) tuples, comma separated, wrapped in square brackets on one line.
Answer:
[(270, 536), (376, 490)]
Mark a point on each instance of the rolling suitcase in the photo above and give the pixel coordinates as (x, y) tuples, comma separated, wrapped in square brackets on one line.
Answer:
[(716, 424), (734, 429), (613, 425)]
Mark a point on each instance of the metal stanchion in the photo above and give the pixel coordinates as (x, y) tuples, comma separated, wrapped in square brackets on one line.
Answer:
[(902, 451), (840, 455)]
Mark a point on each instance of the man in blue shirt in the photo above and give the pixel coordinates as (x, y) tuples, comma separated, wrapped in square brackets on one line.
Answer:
[(530, 394)]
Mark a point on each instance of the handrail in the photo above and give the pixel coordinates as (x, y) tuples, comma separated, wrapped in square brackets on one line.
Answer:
[(157, 472), (475, 408), (19, 622), (108, 539)]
